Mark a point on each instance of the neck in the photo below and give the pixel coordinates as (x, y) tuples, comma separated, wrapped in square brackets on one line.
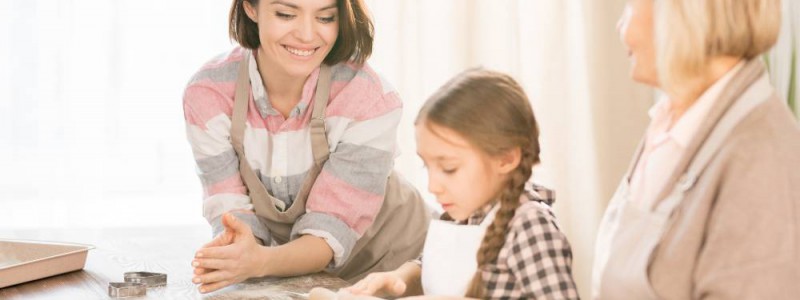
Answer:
[(687, 94), (280, 87)]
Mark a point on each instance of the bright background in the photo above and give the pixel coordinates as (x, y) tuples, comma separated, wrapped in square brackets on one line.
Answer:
[(91, 122)]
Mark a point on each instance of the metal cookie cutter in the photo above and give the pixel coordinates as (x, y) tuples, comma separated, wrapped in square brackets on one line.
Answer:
[(149, 279), (126, 289)]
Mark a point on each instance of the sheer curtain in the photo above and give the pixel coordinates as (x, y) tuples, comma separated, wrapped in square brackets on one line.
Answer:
[(91, 123)]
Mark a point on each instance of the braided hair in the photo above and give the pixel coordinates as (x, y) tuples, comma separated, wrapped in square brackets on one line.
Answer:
[(491, 111)]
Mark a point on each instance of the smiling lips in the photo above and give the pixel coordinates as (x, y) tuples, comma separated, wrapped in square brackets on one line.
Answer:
[(300, 52)]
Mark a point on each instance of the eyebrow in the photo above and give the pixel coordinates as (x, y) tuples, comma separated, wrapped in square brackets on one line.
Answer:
[(292, 5)]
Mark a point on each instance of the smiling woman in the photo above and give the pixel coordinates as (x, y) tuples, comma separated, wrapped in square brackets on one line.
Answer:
[(354, 38), (294, 137)]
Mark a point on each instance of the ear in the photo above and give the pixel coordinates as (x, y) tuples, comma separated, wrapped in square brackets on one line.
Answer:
[(509, 161), (251, 11)]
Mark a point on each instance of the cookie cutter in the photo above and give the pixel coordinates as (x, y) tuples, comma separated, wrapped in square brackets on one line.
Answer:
[(150, 279), (126, 289)]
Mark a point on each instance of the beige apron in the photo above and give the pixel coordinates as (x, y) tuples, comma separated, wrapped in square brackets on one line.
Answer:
[(629, 231), (396, 235)]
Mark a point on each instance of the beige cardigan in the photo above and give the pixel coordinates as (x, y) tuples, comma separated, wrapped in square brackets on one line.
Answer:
[(736, 234)]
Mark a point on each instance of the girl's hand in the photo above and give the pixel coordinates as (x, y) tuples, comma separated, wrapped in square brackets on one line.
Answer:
[(230, 258), (380, 284)]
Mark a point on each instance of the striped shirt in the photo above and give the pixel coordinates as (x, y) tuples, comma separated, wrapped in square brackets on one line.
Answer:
[(361, 123)]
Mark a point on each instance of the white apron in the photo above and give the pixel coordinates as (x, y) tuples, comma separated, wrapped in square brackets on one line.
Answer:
[(629, 232), (449, 259)]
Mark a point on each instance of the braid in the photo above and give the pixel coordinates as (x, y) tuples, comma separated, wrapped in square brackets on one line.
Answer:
[(495, 235), (490, 110)]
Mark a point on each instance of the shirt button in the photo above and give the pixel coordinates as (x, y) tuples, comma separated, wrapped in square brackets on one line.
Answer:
[(278, 179)]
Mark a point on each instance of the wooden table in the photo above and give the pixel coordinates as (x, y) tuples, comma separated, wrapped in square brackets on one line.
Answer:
[(165, 250)]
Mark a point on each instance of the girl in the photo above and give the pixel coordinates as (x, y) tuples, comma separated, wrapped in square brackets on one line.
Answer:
[(479, 140)]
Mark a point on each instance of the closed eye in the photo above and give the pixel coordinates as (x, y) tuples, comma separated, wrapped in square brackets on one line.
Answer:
[(284, 16), (326, 20)]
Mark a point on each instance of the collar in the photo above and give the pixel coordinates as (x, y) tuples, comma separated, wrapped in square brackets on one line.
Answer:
[(685, 128), (261, 98), (532, 192)]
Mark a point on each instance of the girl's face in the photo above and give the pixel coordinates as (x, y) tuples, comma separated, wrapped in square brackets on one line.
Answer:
[(295, 35), (635, 28), (462, 177)]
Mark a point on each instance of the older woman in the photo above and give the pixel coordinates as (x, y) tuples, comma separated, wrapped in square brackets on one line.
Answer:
[(710, 207), (294, 137)]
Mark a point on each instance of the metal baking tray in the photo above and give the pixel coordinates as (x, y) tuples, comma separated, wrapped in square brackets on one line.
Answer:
[(25, 260)]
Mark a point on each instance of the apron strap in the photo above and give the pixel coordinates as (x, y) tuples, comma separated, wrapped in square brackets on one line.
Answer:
[(257, 192), (319, 141), (755, 95)]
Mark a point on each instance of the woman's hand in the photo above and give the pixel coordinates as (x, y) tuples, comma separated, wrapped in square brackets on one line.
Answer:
[(230, 258), (380, 284), (223, 239)]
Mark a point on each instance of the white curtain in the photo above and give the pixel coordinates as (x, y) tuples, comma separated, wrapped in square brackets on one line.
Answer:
[(91, 121), (91, 124)]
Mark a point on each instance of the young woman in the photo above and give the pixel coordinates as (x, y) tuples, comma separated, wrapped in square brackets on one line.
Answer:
[(294, 137), (479, 140), (710, 208)]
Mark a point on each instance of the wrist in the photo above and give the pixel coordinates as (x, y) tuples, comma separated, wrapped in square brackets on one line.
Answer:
[(264, 258)]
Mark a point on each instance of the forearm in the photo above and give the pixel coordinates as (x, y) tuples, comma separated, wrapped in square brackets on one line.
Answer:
[(411, 273), (304, 255)]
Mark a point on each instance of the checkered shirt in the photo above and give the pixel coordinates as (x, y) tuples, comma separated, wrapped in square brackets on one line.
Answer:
[(536, 259)]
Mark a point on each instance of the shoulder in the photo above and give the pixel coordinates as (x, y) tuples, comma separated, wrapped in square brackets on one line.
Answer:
[(211, 89), (223, 68), (769, 134), (756, 163), (754, 173), (361, 77), (534, 236), (359, 92), (534, 216)]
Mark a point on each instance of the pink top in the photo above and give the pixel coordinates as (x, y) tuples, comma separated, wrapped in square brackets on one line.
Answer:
[(361, 125)]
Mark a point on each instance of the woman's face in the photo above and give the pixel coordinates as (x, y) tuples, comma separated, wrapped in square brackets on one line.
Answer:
[(295, 35), (462, 177), (635, 28)]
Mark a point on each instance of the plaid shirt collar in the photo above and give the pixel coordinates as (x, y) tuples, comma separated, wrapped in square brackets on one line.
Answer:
[(478, 216), (532, 192)]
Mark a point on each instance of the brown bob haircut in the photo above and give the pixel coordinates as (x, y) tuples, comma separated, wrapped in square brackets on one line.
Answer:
[(354, 43)]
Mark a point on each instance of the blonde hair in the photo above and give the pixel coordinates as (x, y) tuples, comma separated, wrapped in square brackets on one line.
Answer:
[(691, 32), (490, 110)]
